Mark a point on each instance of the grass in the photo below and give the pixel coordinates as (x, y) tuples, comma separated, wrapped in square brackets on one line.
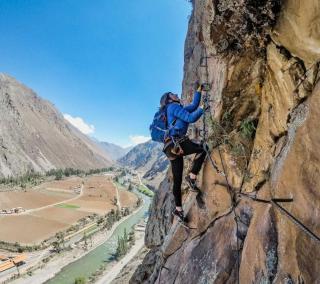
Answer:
[(146, 191), (68, 206)]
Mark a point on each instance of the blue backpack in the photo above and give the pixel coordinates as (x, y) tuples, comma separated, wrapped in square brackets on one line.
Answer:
[(159, 129)]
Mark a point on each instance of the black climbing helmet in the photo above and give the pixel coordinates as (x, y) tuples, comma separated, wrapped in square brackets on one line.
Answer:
[(164, 99)]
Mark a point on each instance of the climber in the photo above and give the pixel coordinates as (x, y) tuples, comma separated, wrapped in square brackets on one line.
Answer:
[(177, 144)]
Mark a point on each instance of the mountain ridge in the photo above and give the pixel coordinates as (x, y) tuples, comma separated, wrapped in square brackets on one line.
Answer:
[(149, 160), (115, 151), (35, 136)]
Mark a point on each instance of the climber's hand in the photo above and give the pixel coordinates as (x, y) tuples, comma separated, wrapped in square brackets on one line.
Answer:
[(197, 86)]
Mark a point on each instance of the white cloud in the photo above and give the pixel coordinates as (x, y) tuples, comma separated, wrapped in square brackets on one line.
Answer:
[(79, 123), (138, 139)]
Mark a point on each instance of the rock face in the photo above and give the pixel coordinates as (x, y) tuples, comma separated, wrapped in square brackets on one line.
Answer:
[(148, 159), (263, 68), (35, 136)]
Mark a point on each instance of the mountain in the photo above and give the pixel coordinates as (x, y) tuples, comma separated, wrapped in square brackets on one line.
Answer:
[(148, 159), (35, 136), (115, 151), (261, 61)]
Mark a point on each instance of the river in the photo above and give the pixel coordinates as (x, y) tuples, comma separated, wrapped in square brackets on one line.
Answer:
[(91, 262)]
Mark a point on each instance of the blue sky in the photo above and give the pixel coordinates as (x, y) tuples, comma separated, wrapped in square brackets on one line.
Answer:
[(105, 63)]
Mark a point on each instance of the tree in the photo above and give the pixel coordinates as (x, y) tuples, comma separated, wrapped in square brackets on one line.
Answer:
[(56, 246), (85, 237), (100, 221), (59, 242), (132, 237), (139, 201), (125, 235), (58, 175), (80, 280)]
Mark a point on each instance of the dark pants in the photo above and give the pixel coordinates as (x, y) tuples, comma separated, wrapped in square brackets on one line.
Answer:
[(188, 148)]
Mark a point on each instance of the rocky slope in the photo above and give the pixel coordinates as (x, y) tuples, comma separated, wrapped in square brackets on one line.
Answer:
[(263, 67), (114, 151), (35, 136), (148, 159)]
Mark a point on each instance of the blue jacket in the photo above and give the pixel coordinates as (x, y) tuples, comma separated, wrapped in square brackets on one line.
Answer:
[(183, 115)]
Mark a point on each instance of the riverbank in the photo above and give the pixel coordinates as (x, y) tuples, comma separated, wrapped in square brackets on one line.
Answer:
[(116, 267), (58, 262)]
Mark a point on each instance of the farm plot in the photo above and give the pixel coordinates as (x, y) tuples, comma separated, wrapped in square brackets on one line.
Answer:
[(28, 229), (69, 184), (128, 199), (98, 196), (31, 199)]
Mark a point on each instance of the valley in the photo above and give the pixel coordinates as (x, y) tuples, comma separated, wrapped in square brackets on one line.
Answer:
[(39, 222)]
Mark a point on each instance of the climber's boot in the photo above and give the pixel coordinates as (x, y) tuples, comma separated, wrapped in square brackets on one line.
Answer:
[(192, 184)]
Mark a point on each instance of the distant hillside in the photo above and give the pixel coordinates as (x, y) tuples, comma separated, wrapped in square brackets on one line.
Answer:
[(115, 151), (34, 135), (149, 160)]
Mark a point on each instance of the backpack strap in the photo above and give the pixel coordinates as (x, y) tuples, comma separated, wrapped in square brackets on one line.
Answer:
[(172, 123)]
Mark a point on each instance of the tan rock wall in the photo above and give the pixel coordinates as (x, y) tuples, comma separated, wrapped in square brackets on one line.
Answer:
[(272, 84)]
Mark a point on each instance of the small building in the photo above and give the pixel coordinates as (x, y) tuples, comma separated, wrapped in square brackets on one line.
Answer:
[(10, 262)]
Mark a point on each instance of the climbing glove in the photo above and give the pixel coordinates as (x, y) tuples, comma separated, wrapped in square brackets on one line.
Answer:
[(197, 86)]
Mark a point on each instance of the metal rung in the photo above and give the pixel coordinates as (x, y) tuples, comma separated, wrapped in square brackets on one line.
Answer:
[(204, 61), (282, 199), (206, 87)]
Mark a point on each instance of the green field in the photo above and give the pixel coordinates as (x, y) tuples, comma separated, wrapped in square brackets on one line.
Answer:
[(143, 189), (68, 206)]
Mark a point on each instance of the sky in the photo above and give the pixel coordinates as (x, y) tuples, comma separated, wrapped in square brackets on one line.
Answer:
[(104, 63)]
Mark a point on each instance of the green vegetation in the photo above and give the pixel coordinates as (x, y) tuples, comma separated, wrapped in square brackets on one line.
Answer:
[(125, 242), (146, 191), (16, 247), (59, 243), (139, 201), (60, 173), (32, 178), (95, 275), (68, 206), (29, 178), (109, 219), (80, 280), (237, 140), (247, 128)]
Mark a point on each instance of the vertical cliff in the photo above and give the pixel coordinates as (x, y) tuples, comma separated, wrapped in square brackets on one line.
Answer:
[(261, 61)]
